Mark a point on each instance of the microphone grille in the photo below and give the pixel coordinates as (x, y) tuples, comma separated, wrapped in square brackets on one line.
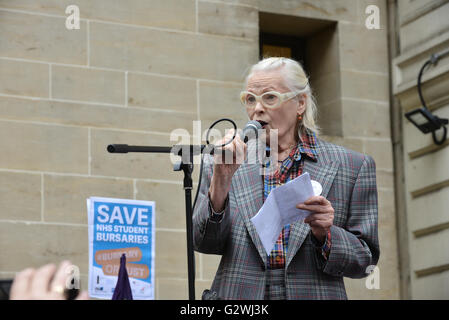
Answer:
[(254, 123), (251, 130)]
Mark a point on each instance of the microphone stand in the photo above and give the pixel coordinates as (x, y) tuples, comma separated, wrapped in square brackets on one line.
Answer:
[(186, 152)]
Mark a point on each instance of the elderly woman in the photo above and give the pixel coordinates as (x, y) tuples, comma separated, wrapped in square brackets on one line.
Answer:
[(311, 256)]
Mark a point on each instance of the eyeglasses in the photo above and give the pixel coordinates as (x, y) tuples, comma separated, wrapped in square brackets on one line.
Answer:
[(271, 99)]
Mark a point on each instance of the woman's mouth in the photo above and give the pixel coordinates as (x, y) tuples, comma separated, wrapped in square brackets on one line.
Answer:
[(262, 123)]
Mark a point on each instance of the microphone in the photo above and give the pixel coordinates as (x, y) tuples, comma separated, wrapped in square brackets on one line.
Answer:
[(251, 130)]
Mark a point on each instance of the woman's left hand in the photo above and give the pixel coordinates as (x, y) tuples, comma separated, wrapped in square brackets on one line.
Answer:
[(321, 217)]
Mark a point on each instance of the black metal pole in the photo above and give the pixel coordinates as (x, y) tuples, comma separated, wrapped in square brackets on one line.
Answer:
[(188, 168), (124, 148), (186, 165)]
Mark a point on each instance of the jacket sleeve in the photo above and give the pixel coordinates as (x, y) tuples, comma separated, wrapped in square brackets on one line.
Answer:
[(355, 247), (209, 234)]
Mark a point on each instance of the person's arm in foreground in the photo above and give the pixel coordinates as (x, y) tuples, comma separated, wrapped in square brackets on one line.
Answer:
[(45, 283)]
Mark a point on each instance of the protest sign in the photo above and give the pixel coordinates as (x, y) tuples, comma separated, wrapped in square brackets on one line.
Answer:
[(116, 227)]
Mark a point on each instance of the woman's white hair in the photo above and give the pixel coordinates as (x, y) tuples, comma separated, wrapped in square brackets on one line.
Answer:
[(296, 80)]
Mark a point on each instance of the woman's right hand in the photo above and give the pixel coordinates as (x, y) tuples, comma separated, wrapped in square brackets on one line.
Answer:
[(224, 168), (227, 163)]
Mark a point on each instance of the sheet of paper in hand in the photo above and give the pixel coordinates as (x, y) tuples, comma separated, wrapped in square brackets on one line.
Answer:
[(280, 209)]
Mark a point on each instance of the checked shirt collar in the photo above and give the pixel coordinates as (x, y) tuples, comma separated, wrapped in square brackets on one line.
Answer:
[(306, 146)]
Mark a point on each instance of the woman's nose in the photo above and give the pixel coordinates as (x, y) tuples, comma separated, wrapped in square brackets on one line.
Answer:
[(259, 107)]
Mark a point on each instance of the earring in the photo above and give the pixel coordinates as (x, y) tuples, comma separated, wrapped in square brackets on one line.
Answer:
[(300, 117)]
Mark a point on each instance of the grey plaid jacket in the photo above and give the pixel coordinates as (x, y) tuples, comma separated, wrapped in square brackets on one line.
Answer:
[(348, 179)]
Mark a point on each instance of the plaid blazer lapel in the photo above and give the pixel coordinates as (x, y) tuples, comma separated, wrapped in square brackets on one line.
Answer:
[(248, 191), (325, 175)]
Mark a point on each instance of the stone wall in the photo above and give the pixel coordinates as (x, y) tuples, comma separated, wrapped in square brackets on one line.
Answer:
[(423, 29), (132, 73)]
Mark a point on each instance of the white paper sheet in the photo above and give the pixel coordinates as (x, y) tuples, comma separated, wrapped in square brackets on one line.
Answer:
[(280, 209)]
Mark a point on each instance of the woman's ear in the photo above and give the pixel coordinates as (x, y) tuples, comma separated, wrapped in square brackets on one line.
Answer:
[(302, 103)]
